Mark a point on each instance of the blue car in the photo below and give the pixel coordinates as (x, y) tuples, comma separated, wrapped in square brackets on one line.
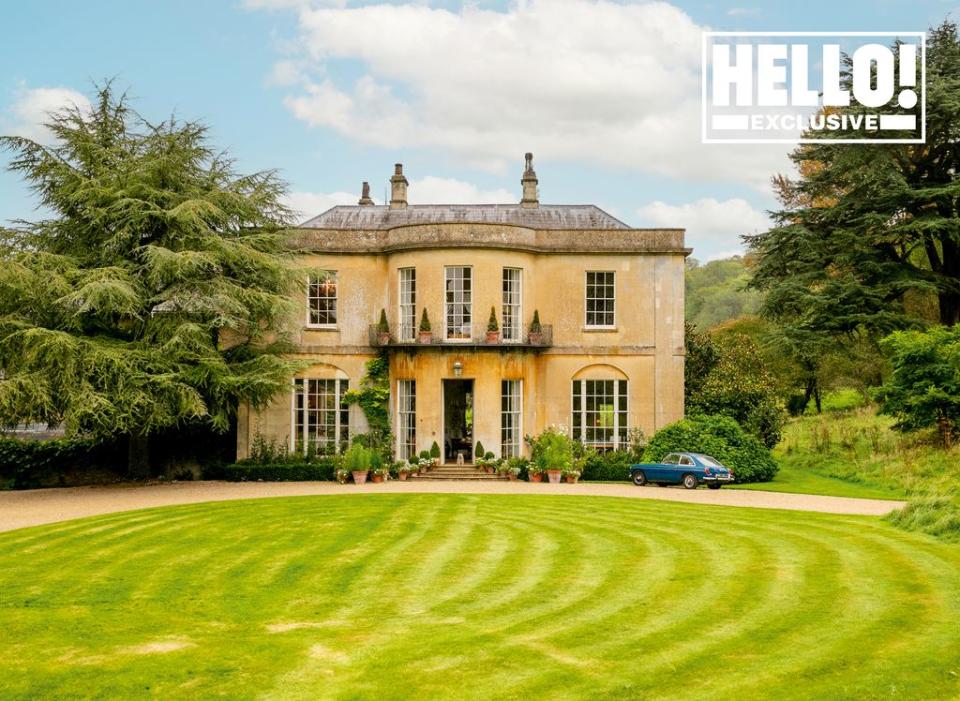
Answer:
[(688, 469)]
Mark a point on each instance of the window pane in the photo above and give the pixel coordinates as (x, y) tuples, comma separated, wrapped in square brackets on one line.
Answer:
[(599, 413), (322, 298), (459, 312), (408, 304), (321, 417), (511, 312), (600, 298), (407, 424), (510, 417)]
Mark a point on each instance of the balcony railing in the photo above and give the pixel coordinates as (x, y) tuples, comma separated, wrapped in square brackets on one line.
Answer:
[(479, 340)]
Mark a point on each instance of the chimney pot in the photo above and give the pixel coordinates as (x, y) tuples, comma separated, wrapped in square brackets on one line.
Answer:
[(398, 188)]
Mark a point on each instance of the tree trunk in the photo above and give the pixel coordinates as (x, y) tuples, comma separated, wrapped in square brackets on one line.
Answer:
[(138, 456), (949, 308), (817, 399)]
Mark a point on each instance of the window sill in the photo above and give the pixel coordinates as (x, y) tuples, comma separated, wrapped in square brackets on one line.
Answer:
[(321, 327), (599, 329)]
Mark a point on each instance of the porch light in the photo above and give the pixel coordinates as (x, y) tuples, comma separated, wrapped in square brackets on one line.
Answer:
[(457, 368)]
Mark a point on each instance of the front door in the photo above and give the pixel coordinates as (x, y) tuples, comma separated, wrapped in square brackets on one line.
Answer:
[(458, 420)]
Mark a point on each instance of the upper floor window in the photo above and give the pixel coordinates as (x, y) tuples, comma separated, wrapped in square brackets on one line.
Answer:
[(459, 302), (512, 313), (322, 298), (408, 304), (601, 298), (600, 413)]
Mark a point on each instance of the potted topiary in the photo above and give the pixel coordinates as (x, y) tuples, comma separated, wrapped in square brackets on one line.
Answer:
[(490, 460), (536, 330), (493, 329), (357, 461), (478, 451), (383, 329), (425, 333), (435, 453)]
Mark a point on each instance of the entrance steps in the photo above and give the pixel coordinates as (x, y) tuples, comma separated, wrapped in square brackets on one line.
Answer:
[(457, 472)]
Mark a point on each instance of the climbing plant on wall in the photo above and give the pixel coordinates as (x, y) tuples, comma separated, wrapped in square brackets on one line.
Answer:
[(373, 396)]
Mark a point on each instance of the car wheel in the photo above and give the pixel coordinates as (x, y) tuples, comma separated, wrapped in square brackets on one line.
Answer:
[(690, 481), (715, 485), (639, 478)]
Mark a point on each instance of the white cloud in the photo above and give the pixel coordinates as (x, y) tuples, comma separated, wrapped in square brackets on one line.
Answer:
[(32, 107), (576, 80), (427, 190), (713, 226)]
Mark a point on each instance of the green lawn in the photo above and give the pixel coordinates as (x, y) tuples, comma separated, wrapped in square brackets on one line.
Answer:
[(808, 480), (477, 597)]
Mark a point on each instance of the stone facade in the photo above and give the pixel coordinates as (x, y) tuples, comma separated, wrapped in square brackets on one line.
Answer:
[(596, 379)]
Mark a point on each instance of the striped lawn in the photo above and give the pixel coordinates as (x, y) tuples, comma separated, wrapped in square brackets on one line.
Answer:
[(477, 597)]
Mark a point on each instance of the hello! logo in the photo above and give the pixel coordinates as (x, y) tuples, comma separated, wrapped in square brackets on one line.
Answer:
[(811, 87)]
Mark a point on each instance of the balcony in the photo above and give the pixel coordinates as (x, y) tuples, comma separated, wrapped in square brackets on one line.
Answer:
[(478, 340)]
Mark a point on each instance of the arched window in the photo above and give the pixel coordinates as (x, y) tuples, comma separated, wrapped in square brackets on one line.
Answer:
[(321, 417), (599, 407)]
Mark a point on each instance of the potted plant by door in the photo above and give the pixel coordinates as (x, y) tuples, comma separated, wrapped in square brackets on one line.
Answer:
[(403, 470), (425, 332), (357, 461), (536, 330), (383, 329), (493, 329), (556, 453), (571, 475)]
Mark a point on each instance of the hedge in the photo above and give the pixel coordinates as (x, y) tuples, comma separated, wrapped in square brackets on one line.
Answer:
[(720, 437), (323, 470), (612, 466), (26, 464)]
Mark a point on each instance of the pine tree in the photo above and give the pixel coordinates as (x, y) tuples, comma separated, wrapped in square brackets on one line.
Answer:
[(156, 292)]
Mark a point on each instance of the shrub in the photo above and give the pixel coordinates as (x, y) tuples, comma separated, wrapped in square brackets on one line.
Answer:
[(552, 450), (489, 455), (720, 437), (935, 515), (322, 470), (425, 455), (492, 325), (358, 458), (611, 466), (26, 464), (479, 452), (434, 451), (383, 326), (425, 322)]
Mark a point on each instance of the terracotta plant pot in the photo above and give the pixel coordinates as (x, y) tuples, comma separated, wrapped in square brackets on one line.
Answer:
[(383, 338), (535, 339), (554, 476), (359, 477), (535, 477), (425, 337), (493, 337), (512, 477), (376, 479), (403, 475), (570, 479), (490, 470)]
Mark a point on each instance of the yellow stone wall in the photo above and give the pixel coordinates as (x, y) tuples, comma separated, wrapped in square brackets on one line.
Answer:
[(646, 346)]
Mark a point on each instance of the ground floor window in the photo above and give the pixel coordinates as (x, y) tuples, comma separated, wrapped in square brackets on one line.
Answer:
[(321, 418), (407, 424), (600, 413), (510, 409)]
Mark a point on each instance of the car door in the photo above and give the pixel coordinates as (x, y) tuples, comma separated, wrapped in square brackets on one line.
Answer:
[(666, 468), (685, 465)]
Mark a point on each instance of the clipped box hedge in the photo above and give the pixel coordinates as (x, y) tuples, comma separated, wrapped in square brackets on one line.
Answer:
[(323, 470)]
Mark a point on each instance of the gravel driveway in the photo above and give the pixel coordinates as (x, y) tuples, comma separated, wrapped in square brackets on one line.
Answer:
[(34, 507)]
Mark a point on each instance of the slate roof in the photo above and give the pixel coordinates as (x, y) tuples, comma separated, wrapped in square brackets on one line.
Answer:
[(379, 217)]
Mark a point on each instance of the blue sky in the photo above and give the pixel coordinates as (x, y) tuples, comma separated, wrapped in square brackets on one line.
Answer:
[(333, 93)]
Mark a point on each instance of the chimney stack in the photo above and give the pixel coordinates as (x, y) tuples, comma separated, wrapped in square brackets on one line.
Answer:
[(365, 198), (529, 182), (398, 188)]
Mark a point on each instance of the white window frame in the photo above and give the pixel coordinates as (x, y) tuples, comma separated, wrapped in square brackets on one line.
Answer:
[(407, 302), (300, 386), (336, 299), (411, 416), (515, 447), (587, 298), (447, 269), (621, 419), (512, 307)]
